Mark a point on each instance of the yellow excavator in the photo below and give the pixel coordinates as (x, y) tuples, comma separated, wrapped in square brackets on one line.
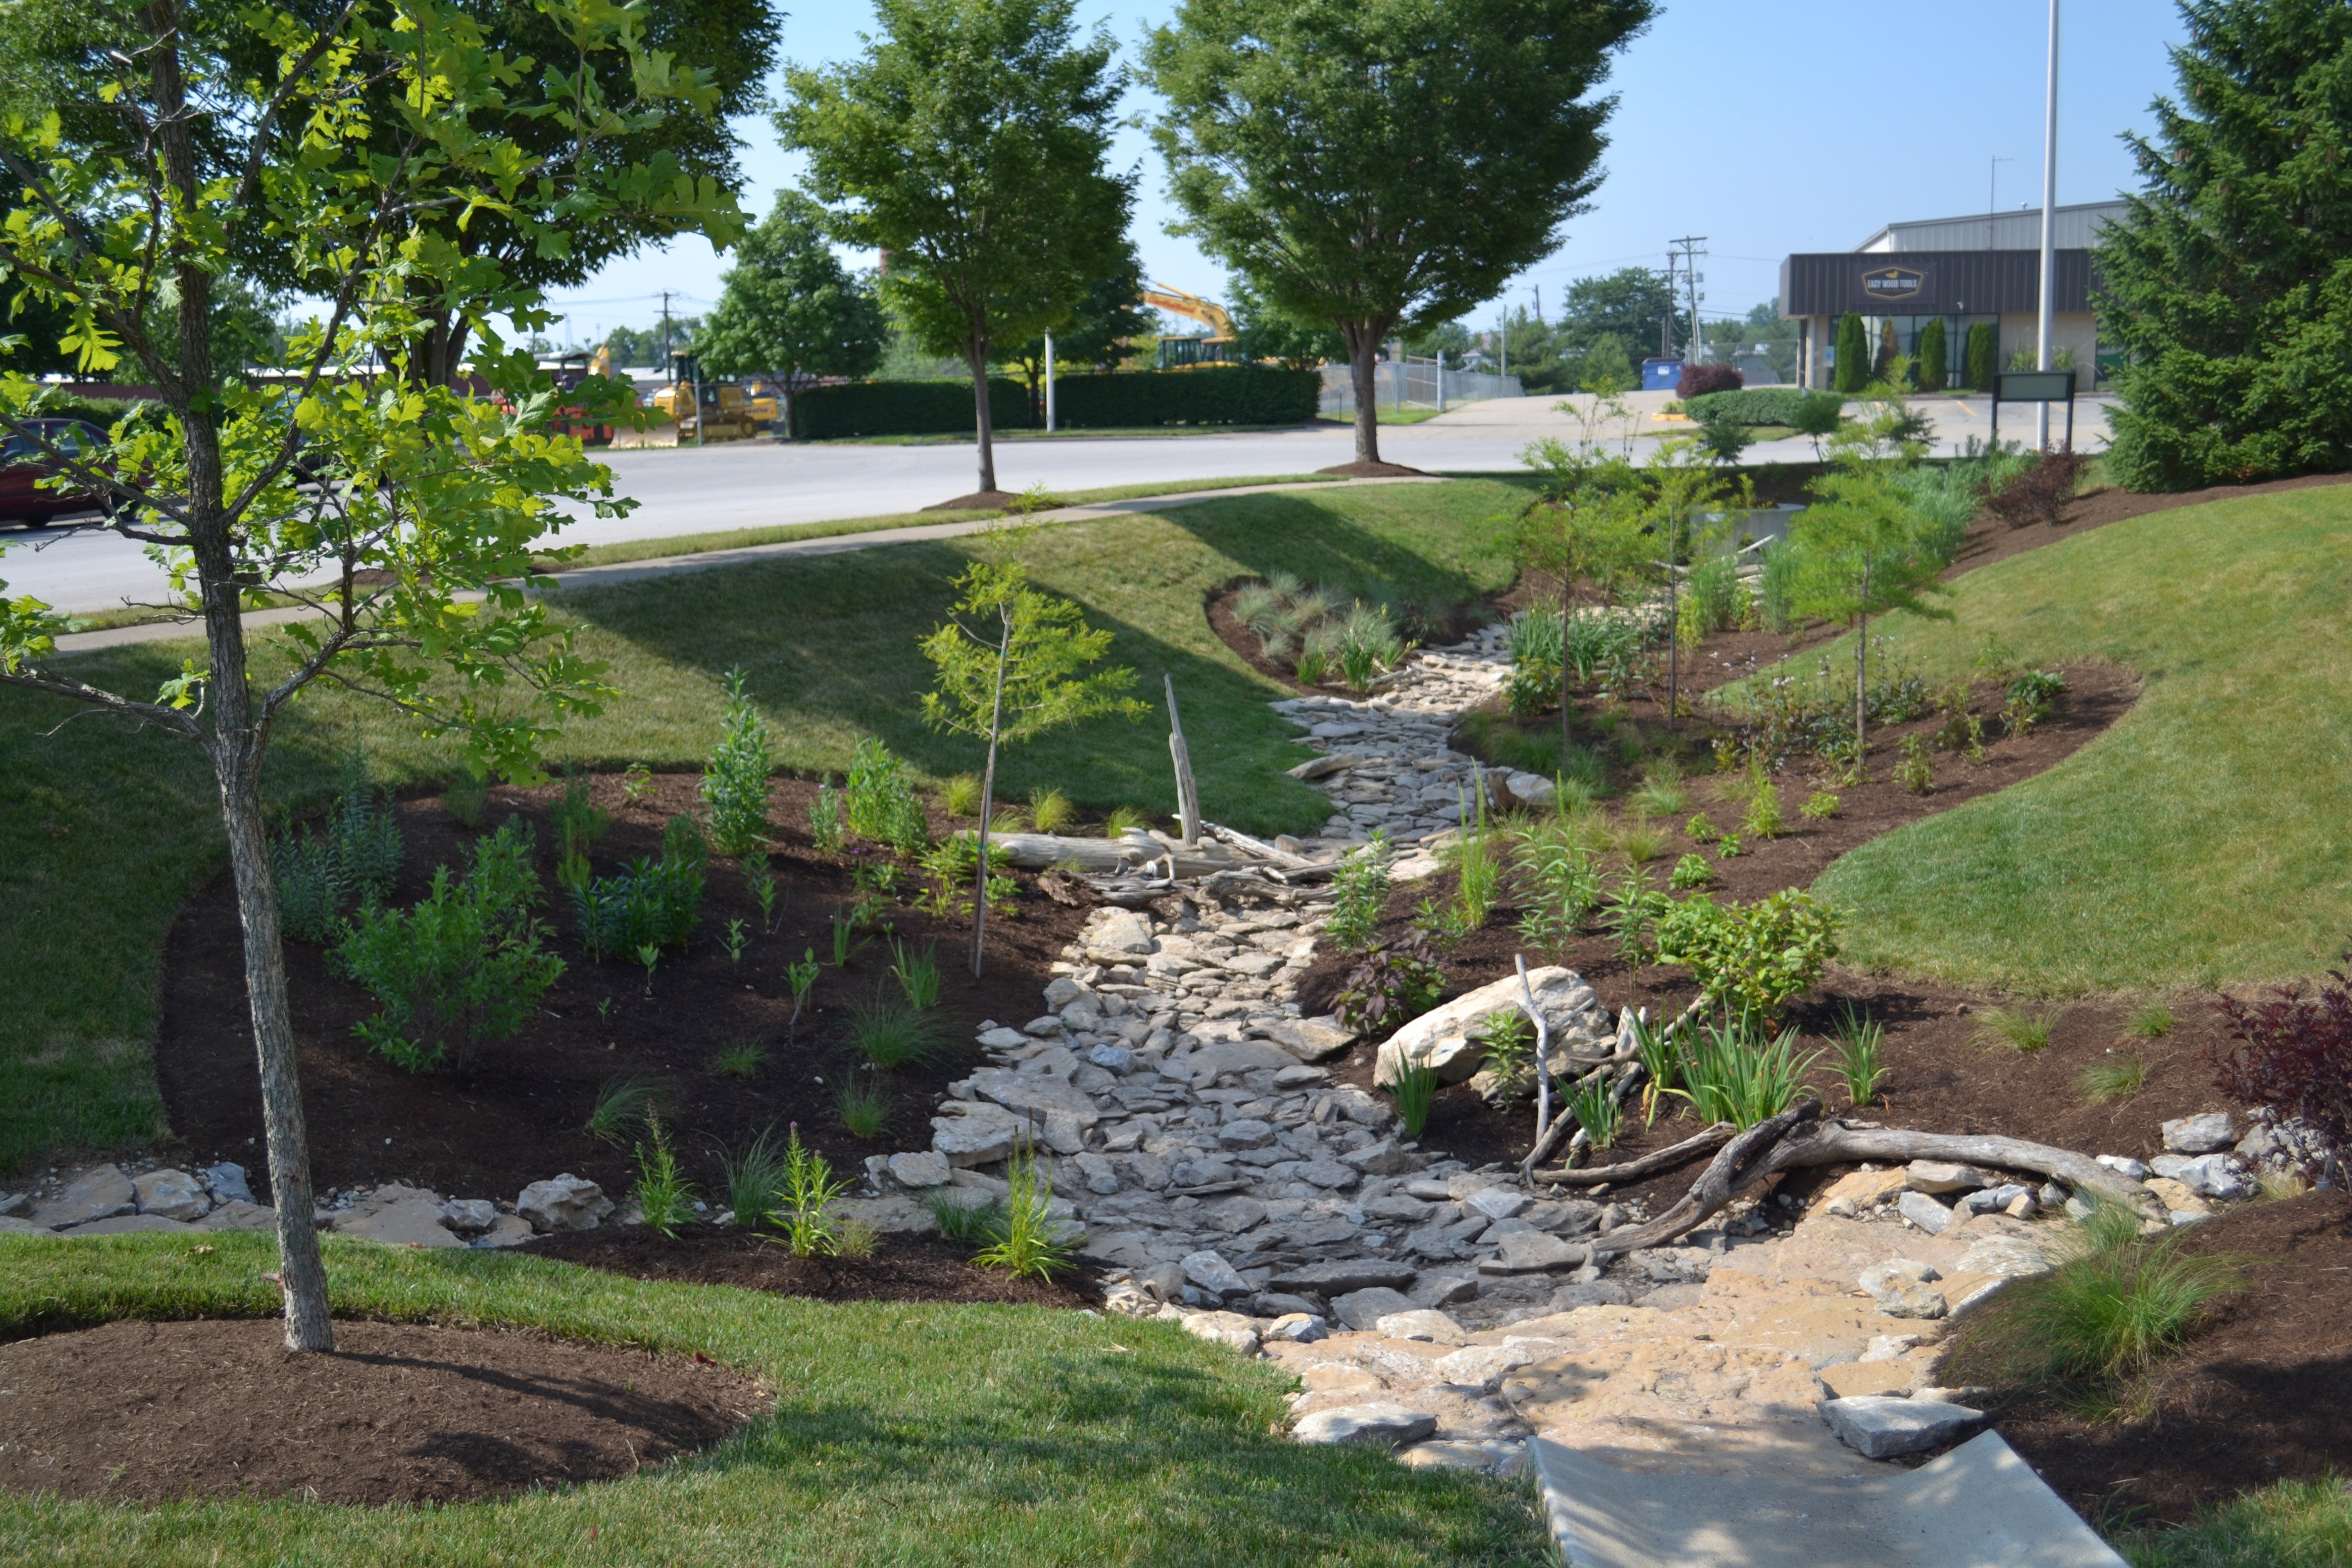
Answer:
[(1178, 354)]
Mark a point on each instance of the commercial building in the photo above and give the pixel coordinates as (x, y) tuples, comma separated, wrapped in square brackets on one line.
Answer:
[(1970, 271)]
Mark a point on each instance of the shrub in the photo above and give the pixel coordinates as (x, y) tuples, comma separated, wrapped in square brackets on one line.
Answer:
[(1763, 819), (1360, 887), (2118, 1077), (1633, 914), (1861, 1054), (1915, 772), (1852, 372), (735, 780), (1698, 380), (1983, 356), (905, 408), (310, 886), (464, 965), (890, 1031), (1752, 958), (2031, 699), (1478, 864), (652, 904), (1221, 395), (1731, 1074), (1602, 648), (1690, 871), (1714, 598), (2015, 1027), (2039, 493), (2113, 1308), (882, 805), (1755, 406), (1031, 1246), (366, 836), (664, 1195), (1392, 986), (1366, 644), (1415, 1088), (1934, 355), (754, 1177), (2294, 1058)]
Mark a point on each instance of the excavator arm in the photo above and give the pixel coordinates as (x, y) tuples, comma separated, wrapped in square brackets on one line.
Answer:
[(1176, 301)]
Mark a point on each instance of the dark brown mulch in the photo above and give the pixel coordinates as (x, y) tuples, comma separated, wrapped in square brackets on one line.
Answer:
[(1360, 470), (902, 1268), (399, 1413), (978, 501), (2264, 1395), (518, 1115)]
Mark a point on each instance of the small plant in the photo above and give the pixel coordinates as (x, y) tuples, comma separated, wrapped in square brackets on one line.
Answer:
[(963, 1221), (1415, 1089), (889, 1031), (800, 977), (1753, 959), (2015, 1027), (310, 888), (754, 1177), (1641, 843), (1030, 1247), (845, 937), (1593, 1101), (621, 1103), (1562, 886), (653, 903), (807, 1198), (2117, 1077), (1392, 986), (366, 834), (1731, 1074), (636, 783), (466, 798), (1861, 1054), (1478, 866), (2032, 697), (735, 779), (1314, 667), (1701, 828), (1763, 819), (1362, 887), (1690, 871), (743, 1058), (959, 796), (825, 829), (918, 976), (1124, 819), (684, 844), (1659, 795), (2152, 1022), (864, 1105), (737, 938), (760, 883), (882, 805), (1915, 772), (1631, 916), (1962, 730), (578, 820), (1728, 848), (650, 956), (1051, 810), (1818, 804), (1509, 1051), (664, 1195), (1661, 1058)]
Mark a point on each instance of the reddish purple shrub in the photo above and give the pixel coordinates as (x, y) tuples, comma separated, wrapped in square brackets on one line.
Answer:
[(1698, 380), (2041, 492), (2293, 1059)]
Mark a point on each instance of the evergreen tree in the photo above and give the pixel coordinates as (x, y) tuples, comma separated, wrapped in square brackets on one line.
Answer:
[(1852, 368), (1984, 356), (2229, 283), (1934, 356)]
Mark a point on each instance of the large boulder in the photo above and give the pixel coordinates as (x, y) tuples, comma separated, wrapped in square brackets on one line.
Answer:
[(1383, 1424), (566, 1202), (1452, 1038), (172, 1194), (975, 1131), (100, 1194)]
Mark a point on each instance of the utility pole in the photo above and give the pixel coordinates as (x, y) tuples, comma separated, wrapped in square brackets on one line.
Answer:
[(1049, 383), (1666, 323), (2049, 239), (665, 334), (1691, 253)]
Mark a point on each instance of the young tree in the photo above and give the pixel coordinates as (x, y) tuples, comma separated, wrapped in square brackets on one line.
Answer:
[(1861, 552), (1383, 164), (789, 309), (968, 143), (2226, 283), (442, 498), (1852, 372), (1013, 663), (1589, 526)]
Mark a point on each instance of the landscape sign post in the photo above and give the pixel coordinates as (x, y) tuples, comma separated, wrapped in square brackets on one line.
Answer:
[(2043, 387)]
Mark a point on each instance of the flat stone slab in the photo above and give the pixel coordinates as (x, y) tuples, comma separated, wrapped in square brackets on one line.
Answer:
[(100, 1194), (124, 1224), (1381, 1423), (1980, 1505), (1035, 1095), (1879, 1426), (1329, 1279)]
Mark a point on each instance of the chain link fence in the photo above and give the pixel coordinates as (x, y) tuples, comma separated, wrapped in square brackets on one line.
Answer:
[(1415, 383)]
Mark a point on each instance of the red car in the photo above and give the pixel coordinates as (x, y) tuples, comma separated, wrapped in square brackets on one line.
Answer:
[(23, 463)]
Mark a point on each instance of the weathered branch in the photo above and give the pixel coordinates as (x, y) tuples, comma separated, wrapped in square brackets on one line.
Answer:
[(1741, 1162), (1648, 1164)]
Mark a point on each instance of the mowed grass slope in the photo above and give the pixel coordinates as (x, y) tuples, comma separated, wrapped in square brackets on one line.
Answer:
[(2203, 838), (105, 828), (906, 1435)]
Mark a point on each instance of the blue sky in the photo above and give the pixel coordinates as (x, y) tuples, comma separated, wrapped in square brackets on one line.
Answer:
[(1767, 127)]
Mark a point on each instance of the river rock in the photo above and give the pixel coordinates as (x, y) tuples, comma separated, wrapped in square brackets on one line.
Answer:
[(1210, 1272), (1035, 1095), (565, 1203), (98, 1194), (1363, 1309), (172, 1195), (12, 1225), (1421, 1323), (1943, 1176), (925, 1168), (1533, 1252), (2221, 1176), (236, 1216), (469, 1216), (2207, 1134), (1120, 934), (407, 1216), (1382, 1423), (1312, 1039), (227, 1182), (975, 1131), (1923, 1212), (1449, 1038), (1223, 1328)]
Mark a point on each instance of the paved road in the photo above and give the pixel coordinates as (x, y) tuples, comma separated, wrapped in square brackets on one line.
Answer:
[(752, 485)]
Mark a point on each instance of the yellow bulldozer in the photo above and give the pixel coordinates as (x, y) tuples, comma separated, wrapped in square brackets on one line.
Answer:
[(706, 411)]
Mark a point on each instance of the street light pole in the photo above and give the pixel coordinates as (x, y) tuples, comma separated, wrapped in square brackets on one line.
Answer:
[(2049, 238), (1049, 383)]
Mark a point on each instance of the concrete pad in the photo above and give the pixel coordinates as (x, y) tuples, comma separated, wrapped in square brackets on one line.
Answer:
[(1980, 1505)]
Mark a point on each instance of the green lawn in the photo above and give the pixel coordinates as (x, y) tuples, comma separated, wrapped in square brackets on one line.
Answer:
[(2200, 840), (2295, 1524), (906, 1435), (107, 829)]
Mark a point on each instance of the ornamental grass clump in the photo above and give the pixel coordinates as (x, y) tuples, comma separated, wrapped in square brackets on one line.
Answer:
[(891, 1031), (2115, 1078), (754, 1177), (1032, 1245), (1861, 1054), (1415, 1090), (2016, 1027), (1731, 1073)]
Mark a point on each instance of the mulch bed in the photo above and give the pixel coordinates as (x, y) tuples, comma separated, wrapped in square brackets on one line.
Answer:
[(2263, 1396), (518, 1115), (902, 1268), (399, 1413)]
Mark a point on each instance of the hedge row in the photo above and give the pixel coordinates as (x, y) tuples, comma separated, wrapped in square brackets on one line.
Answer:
[(904, 409), (1212, 394), (1750, 405)]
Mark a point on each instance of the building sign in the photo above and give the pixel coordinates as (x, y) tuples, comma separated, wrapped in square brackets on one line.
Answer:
[(1893, 283)]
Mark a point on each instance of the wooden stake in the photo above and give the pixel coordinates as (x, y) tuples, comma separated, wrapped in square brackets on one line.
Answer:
[(1188, 798)]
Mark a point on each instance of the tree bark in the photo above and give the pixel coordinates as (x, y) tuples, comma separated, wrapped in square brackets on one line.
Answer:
[(988, 795), (1566, 602), (1861, 686), (1363, 338), (977, 357)]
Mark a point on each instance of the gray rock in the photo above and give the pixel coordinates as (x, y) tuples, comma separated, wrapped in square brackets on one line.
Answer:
[(1499, 1203), (566, 1202), (1449, 1038), (1895, 1274), (1421, 1323), (99, 1193), (507, 1230), (1995, 1200), (2004, 1257), (12, 1225), (1533, 1252), (1880, 1426), (1034, 1095), (1229, 1329), (1384, 1158), (1591, 1293), (2123, 1166), (124, 1224), (1246, 1133), (975, 1133), (1444, 1289), (1062, 1132), (1328, 1175), (2207, 1134), (236, 1216), (1340, 1278), (1101, 1176), (1382, 1423), (1210, 1272), (411, 1217), (469, 1216), (1481, 1367), (1323, 767), (1120, 933), (926, 1168), (227, 1182), (1915, 1301), (15, 1205), (1298, 1327), (1943, 1176), (1923, 1212), (1312, 1039), (172, 1195), (1112, 1058), (2221, 1175), (1361, 1309), (1002, 1039), (1162, 1281), (1061, 991)]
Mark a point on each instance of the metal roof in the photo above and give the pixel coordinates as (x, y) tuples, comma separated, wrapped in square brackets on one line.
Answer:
[(2076, 228)]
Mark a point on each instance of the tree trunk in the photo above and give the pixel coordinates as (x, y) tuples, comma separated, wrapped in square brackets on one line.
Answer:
[(1861, 690), (1674, 624), (1567, 597), (1363, 339), (988, 796), (976, 355), (238, 737)]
